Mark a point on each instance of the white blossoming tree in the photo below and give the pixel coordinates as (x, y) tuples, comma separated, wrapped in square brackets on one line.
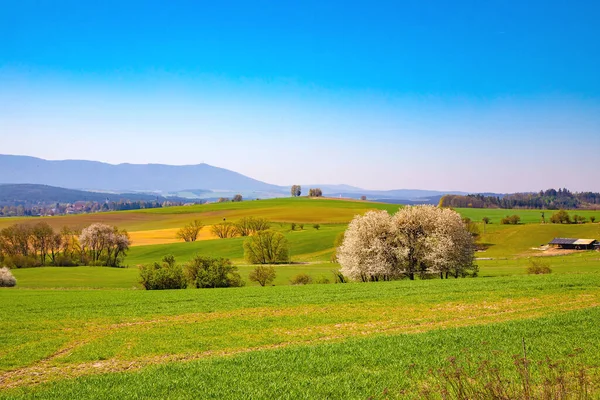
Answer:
[(104, 244), (417, 240)]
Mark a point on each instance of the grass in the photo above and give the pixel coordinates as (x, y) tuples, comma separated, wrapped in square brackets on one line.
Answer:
[(301, 210), (350, 341), (527, 216), (378, 340)]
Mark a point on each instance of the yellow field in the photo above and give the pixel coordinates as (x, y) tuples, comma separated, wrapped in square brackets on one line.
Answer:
[(164, 236)]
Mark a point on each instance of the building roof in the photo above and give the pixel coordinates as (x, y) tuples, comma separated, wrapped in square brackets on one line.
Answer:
[(572, 241)]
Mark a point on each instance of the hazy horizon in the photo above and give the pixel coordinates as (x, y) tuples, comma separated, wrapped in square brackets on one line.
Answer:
[(497, 97)]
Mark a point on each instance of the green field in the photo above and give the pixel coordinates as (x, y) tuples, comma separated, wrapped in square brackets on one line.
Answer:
[(91, 332)]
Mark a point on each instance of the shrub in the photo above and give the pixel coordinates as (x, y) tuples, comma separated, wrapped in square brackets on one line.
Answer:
[(164, 275), (6, 278), (538, 267), (207, 272), (560, 217), (301, 279), (266, 247), (510, 220), (20, 261), (293, 226), (190, 232), (322, 280), (592, 219), (262, 274), (301, 226), (316, 226), (62, 260)]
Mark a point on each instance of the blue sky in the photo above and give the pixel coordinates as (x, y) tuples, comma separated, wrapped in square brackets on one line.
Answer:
[(477, 96)]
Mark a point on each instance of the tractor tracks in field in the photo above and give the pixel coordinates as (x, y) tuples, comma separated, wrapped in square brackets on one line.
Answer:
[(440, 316)]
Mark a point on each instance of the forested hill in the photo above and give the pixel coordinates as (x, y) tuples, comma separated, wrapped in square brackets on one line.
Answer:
[(550, 199), (43, 194)]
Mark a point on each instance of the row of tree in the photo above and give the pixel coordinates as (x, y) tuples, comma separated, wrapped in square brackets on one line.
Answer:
[(23, 245), (27, 209), (550, 199)]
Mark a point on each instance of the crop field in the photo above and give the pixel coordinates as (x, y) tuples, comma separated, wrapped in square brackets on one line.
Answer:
[(92, 332)]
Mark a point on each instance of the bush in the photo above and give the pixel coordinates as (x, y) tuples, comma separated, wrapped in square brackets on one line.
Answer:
[(322, 280), (264, 275), (316, 226), (293, 226), (20, 261), (592, 219), (6, 278), (207, 272), (301, 226), (164, 275), (62, 260), (510, 220), (538, 267), (301, 279), (560, 217)]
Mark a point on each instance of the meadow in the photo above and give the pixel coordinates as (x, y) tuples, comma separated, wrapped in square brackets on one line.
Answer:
[(91, 332)]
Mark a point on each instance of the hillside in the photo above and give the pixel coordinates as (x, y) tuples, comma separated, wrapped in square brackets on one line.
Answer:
[(12, 194)]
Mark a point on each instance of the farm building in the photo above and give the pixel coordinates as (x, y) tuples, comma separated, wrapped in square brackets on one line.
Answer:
[(575, 244)]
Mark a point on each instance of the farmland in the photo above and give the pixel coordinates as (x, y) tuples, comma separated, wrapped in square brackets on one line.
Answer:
[(100, 336)]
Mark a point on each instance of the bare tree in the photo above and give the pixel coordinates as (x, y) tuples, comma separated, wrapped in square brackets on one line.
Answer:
[(249, 225), (191, 231), (224, 230)]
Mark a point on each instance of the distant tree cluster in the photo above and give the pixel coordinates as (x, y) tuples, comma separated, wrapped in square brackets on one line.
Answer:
[(550, 199), (316, 192), (23, 246), (296, 190), (237, 198), (416, 241), (563, 217)]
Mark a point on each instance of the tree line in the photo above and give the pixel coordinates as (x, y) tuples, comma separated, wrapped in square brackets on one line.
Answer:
[(550, 199), (25, 246)]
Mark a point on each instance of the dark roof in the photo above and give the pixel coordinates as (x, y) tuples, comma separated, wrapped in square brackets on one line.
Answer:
[(563, 241), (572, 241)]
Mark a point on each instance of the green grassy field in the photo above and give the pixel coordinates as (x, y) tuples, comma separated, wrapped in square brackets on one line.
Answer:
[(527, 216), (371, 332), (91, 332)]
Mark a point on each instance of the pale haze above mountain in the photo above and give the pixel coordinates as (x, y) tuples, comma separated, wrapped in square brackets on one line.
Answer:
[(98, 176)]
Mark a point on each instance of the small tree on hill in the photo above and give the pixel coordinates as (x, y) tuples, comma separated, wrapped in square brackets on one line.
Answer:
[(316, 192), (237, 197), (224, 230), (262, 274), (249, 225), (296, 190), (190, 232), (266, 247)]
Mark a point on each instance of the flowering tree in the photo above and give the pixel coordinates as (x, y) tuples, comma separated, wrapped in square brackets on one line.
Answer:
[(105, 244), (417, 240)]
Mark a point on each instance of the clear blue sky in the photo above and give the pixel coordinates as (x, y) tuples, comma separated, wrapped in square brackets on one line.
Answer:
[(473, 95)]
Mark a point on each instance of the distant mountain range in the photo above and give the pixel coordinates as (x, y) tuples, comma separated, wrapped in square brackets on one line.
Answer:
[(205, 180)]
